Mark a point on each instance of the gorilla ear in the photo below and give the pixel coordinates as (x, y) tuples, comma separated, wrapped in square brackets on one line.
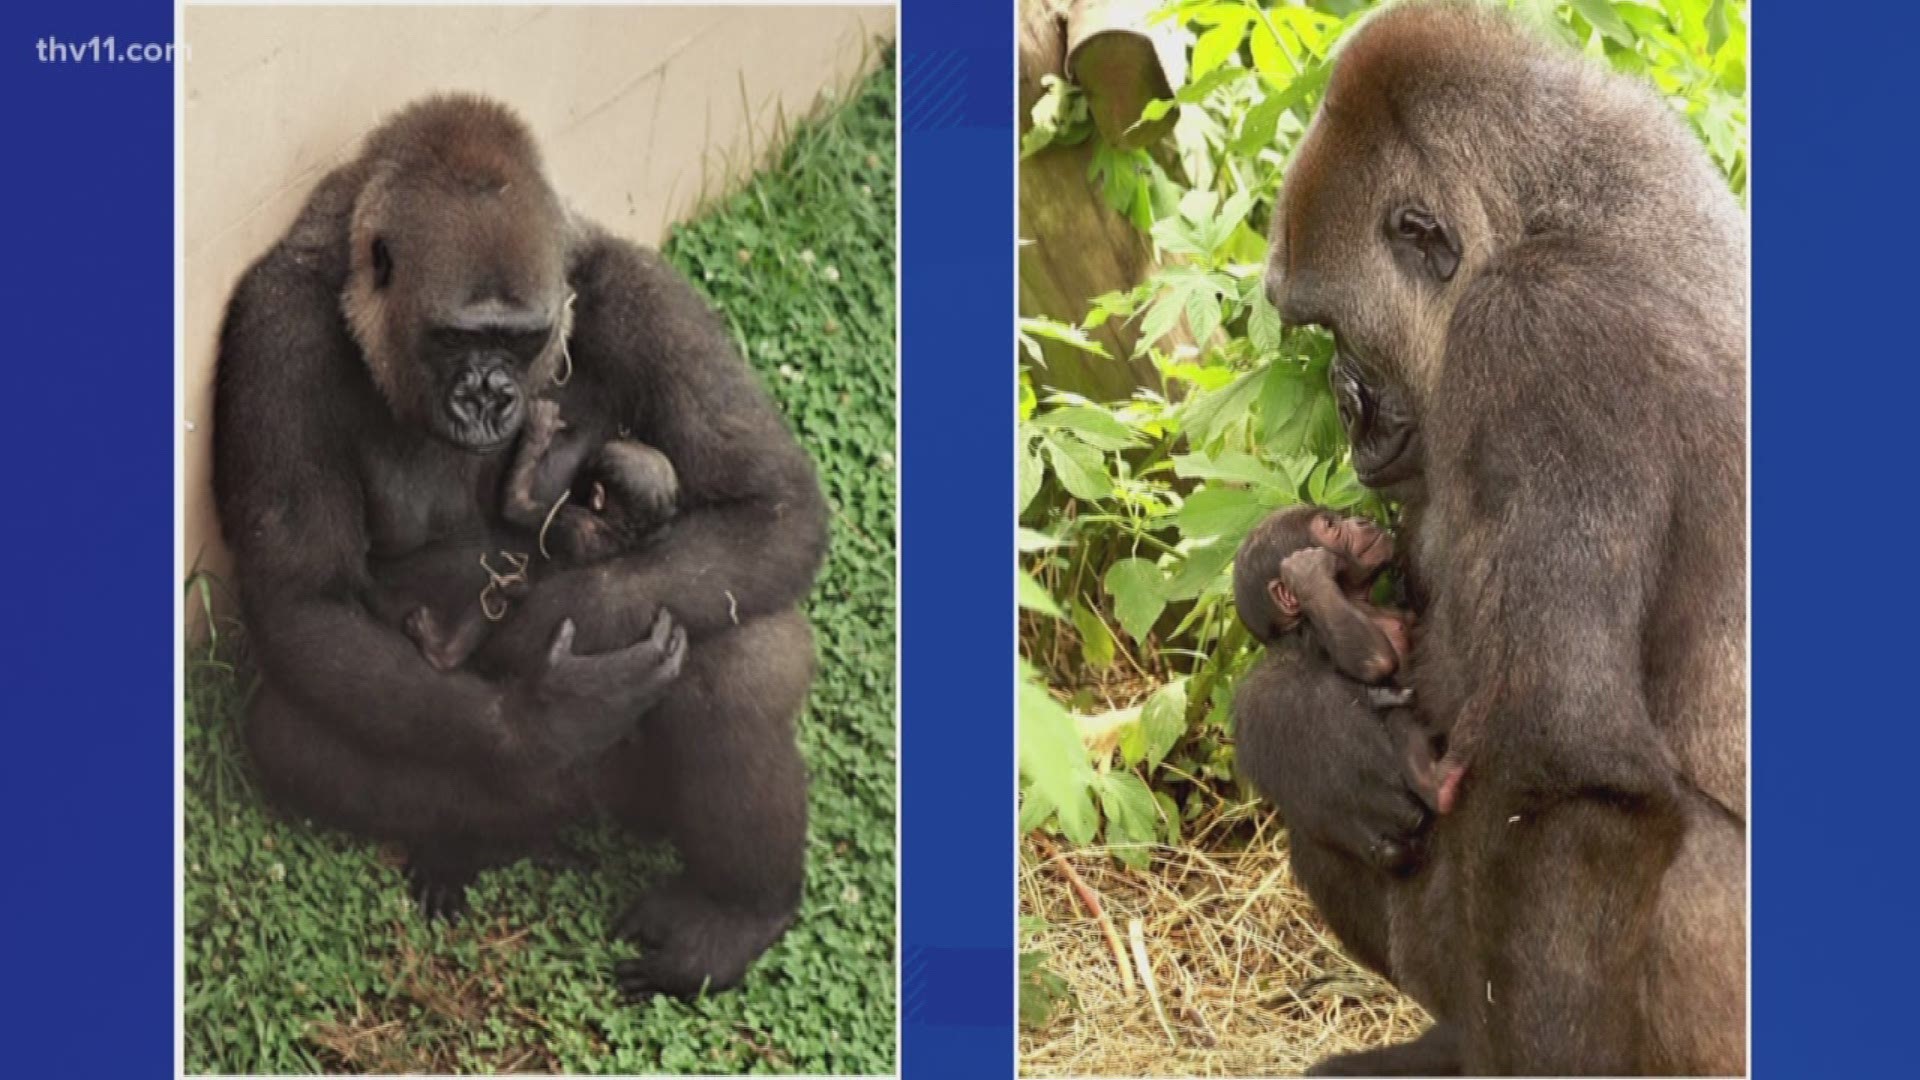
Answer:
[(382, 263), (1419, 233)]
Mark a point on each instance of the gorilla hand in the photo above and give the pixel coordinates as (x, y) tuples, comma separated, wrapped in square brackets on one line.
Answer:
[(1309, 569), (1308, 739), (1348, 788), (594, 700)]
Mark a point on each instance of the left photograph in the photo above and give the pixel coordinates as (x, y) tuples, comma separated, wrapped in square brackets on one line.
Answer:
[(538, 498)]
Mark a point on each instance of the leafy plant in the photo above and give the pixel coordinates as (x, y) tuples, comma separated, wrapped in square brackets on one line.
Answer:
[(1131, 510)]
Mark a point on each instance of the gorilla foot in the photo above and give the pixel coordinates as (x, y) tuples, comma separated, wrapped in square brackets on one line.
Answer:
[(692, 943), (439, 886), (1435, 1053)]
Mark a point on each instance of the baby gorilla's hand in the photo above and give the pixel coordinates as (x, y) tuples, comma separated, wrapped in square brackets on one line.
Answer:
[(1309, 568)]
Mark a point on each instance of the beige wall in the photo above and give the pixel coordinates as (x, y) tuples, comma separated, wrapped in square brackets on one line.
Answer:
[(639, 110)]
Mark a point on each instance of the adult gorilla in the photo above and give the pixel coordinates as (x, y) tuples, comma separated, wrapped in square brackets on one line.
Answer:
[(375, 368), (1536, 284)]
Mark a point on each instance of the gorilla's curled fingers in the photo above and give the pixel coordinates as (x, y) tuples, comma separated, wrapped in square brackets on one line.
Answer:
[(593, 700)]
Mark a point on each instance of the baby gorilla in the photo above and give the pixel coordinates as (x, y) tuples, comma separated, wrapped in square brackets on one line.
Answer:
[(626, 491), (1301, 583), (627, 488)]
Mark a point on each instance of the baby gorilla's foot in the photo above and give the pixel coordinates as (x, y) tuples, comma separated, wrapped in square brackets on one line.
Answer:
[(691, 942), (433, 640)]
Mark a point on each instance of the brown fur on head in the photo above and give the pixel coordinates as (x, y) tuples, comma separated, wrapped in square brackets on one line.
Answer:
[(1452, 108), (1266, 609), (455, 221)]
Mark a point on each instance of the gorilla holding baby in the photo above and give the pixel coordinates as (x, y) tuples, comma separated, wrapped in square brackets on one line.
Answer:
[(376, 368), (1535, 281)]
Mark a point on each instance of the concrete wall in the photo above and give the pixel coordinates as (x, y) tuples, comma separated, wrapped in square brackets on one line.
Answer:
[(640, 112)]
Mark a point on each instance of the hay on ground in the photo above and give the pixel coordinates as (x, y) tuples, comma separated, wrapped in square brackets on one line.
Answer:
[(1250, 981)]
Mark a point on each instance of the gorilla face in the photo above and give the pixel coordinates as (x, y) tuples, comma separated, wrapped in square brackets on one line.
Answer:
[(1381, 427), (1374, 239), (458, 296), (478, 369)]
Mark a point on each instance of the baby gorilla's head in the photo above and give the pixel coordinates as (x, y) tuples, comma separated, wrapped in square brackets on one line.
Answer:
[(631, 490), (1267, 607)]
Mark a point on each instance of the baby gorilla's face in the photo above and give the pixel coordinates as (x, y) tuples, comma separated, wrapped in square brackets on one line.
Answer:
[(1364, 547)]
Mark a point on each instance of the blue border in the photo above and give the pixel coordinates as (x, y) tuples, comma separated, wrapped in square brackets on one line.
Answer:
[(88, 786), (89, 661), (957, 929), (1836, 747)]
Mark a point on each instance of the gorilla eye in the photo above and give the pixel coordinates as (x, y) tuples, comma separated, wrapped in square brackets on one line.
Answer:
[(382, 264), (1426, 237)]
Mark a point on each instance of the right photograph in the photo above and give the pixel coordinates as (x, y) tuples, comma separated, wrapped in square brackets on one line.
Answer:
[(1382, 548)]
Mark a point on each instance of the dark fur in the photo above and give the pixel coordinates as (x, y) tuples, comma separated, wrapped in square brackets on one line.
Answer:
[(1313, 668), (1577, 377), (588, 496), (447, 597), (334, 451)]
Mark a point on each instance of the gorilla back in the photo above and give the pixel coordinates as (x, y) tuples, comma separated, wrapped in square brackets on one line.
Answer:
[(375, 367)]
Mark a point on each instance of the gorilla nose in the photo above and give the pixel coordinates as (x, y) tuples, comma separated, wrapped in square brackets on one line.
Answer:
[(483, 394)]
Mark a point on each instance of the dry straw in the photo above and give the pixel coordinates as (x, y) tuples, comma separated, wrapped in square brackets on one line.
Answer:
[(1236, 973)]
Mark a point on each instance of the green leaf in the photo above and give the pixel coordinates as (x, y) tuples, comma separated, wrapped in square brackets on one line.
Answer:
[(1035, 809), (1600, 13), (1204, 416), (1097, 646), (1199, 86), (1054, 760), (1198, 205), (1203, 315), (1716, 26), (1027, 541), (1081, 469), (1095, 426), (1032, 472), (1270, 56), (1033, 596), (1215, 47), (1135, 585), (1342, 489), (1169, 817), (1041, 991), (1164, 720), (1281, 396), (1263, 327), (1234, 465), (1064, 334), (1215, 511), (1178, 235), (1128, 804), (1203, 566), (1310, 82), (1160, 319)]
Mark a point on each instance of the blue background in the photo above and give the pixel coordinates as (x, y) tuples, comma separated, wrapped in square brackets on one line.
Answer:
[(88, 549), (957, 148)]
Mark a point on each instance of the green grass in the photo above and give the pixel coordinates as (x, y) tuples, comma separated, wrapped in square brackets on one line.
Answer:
[(303, 951)]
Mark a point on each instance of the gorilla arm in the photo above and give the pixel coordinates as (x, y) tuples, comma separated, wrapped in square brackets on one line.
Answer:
[(1553, 498), (751, 527), (291, 398)]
